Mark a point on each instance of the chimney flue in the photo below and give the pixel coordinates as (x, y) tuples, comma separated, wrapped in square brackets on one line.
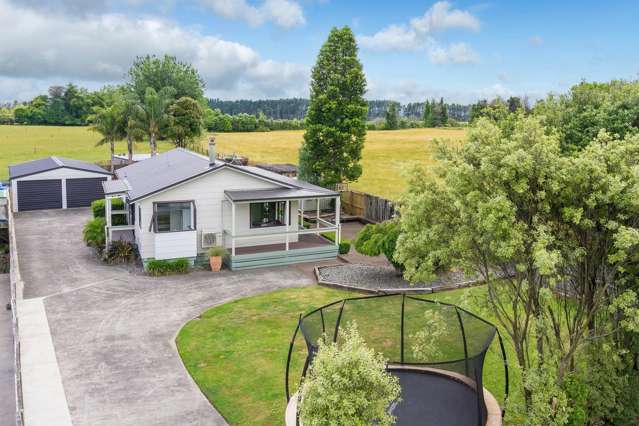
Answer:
[(212, 150)]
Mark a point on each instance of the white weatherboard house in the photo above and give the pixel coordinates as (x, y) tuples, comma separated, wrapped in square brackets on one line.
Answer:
[(179, 203)]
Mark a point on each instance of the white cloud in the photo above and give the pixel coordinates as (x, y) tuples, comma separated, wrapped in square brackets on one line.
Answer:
[(536, 40), (101, 48), (457, 53), (419, 33), (441, 17), (284, 13)]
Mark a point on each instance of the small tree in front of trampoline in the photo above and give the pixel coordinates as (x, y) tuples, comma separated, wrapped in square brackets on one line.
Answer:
[(347, 384)]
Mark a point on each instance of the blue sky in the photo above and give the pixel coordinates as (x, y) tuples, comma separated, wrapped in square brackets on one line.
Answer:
[(411, 50)]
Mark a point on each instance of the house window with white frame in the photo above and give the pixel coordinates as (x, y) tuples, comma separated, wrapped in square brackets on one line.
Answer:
[(264, 215), (174, 217)]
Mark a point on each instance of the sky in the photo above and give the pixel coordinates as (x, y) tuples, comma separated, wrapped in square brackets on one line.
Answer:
[(411, 50)]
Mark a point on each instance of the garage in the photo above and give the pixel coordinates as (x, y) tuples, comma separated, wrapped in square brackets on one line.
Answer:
[(55, 183)]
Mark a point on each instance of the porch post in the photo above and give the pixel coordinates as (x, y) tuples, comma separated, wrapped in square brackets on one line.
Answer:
[(107, 214), (232, 228), (317, 200), (301, 212), (286, 220), (338, 231)]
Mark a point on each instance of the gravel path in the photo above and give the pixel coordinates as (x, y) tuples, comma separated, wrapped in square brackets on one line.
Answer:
[(373, 277)]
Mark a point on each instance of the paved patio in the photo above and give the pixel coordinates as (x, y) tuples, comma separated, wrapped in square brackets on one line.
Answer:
[(113, 329)]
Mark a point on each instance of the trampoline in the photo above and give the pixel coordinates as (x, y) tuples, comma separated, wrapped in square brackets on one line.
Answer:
[(437, 350)]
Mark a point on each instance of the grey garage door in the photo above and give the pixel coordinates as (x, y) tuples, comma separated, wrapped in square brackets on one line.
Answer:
[(81, 192), (39, 194)]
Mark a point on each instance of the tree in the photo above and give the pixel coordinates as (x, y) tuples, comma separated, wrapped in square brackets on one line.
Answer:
[(185, 121), (380, 238), (158, 73), (391, 118), (587, 108), (549, 234), (153, 113), (428, 114), (131, 116), (336, 118), (347, 384), (443, 108), (108, 122)]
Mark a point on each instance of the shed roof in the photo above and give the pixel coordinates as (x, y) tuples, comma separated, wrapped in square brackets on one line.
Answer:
[(52, 163)]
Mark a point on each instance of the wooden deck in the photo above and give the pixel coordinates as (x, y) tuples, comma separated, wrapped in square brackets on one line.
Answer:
[(305, 241)]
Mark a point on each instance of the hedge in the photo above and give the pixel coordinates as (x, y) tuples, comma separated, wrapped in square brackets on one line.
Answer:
[(167, 267)]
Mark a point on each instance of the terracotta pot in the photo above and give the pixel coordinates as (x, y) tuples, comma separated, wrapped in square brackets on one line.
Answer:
[(216, 263)]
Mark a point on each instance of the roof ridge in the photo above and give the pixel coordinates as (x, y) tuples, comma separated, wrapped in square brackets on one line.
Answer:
[(57, 160), (193, 153)]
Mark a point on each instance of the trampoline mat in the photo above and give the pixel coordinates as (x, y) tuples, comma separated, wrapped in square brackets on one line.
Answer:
[(433, 399)]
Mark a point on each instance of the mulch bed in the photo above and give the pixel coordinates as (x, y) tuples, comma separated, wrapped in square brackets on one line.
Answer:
[(375, 279)]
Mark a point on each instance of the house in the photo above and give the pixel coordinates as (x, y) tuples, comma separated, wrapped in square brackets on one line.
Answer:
[(180, 203), (55, 183)]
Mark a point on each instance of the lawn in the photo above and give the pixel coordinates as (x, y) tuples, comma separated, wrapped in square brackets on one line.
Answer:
[(237, 352), (386, 153)]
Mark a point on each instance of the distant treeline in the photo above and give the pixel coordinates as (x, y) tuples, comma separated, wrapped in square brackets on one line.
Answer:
[(295, 109)]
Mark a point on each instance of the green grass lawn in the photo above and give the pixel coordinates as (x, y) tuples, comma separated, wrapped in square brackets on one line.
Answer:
[(237, 352)]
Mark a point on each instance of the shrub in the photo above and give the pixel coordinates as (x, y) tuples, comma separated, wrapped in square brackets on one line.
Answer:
[(99, 210), (217, 251), (121, 252), (380, 238), (348, 385), (344, 247), (167, 267), (93, 233)]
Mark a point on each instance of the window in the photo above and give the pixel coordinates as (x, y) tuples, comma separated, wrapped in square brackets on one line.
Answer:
[(174, 217), (268, 214)]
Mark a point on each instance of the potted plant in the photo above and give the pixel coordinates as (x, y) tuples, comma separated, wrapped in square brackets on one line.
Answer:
[(215, 257)]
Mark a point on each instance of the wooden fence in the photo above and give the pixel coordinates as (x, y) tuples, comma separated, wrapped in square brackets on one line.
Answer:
[(367, 206)]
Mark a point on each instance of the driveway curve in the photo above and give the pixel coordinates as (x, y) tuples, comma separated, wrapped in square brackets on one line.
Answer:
[(114, 329)]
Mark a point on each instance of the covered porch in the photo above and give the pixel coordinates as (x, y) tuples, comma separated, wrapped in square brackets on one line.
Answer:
[(123, 230), (279, 226)]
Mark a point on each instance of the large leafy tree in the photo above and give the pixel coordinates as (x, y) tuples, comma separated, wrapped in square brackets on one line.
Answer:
[(185, 121), (158, 73), (551, 235), (153, 113), (336, 118), (587, 108)]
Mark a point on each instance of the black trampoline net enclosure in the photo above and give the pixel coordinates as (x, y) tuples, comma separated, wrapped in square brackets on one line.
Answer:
[(437, 351)]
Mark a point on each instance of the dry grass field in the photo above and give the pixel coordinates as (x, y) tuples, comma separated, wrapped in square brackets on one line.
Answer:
[(386, 153)]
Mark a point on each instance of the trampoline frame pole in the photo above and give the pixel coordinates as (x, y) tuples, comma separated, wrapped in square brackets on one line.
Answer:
[(288, 359), (339, 319), (461, 325), (402, 330)]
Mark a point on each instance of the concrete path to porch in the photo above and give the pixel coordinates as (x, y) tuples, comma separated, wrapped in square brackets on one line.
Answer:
[(113, 330)]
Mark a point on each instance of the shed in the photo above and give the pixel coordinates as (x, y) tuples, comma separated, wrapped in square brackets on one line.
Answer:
[(55, 183)]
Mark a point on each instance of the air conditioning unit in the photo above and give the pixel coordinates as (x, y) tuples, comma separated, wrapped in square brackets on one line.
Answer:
[(211, 239)]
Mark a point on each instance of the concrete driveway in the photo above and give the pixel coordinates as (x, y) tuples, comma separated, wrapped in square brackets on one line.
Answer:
[(113, 330)]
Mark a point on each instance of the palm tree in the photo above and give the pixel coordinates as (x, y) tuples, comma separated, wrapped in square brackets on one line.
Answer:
[(108, 122), (131, 114), (154, 113)]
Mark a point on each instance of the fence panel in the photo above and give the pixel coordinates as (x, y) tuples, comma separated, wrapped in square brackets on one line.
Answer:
[(367, 206)]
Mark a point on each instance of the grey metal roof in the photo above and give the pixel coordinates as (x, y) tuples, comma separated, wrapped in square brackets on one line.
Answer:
[(179, 165), (136, 157), (52, 163), (115, 186), (276, 194)]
